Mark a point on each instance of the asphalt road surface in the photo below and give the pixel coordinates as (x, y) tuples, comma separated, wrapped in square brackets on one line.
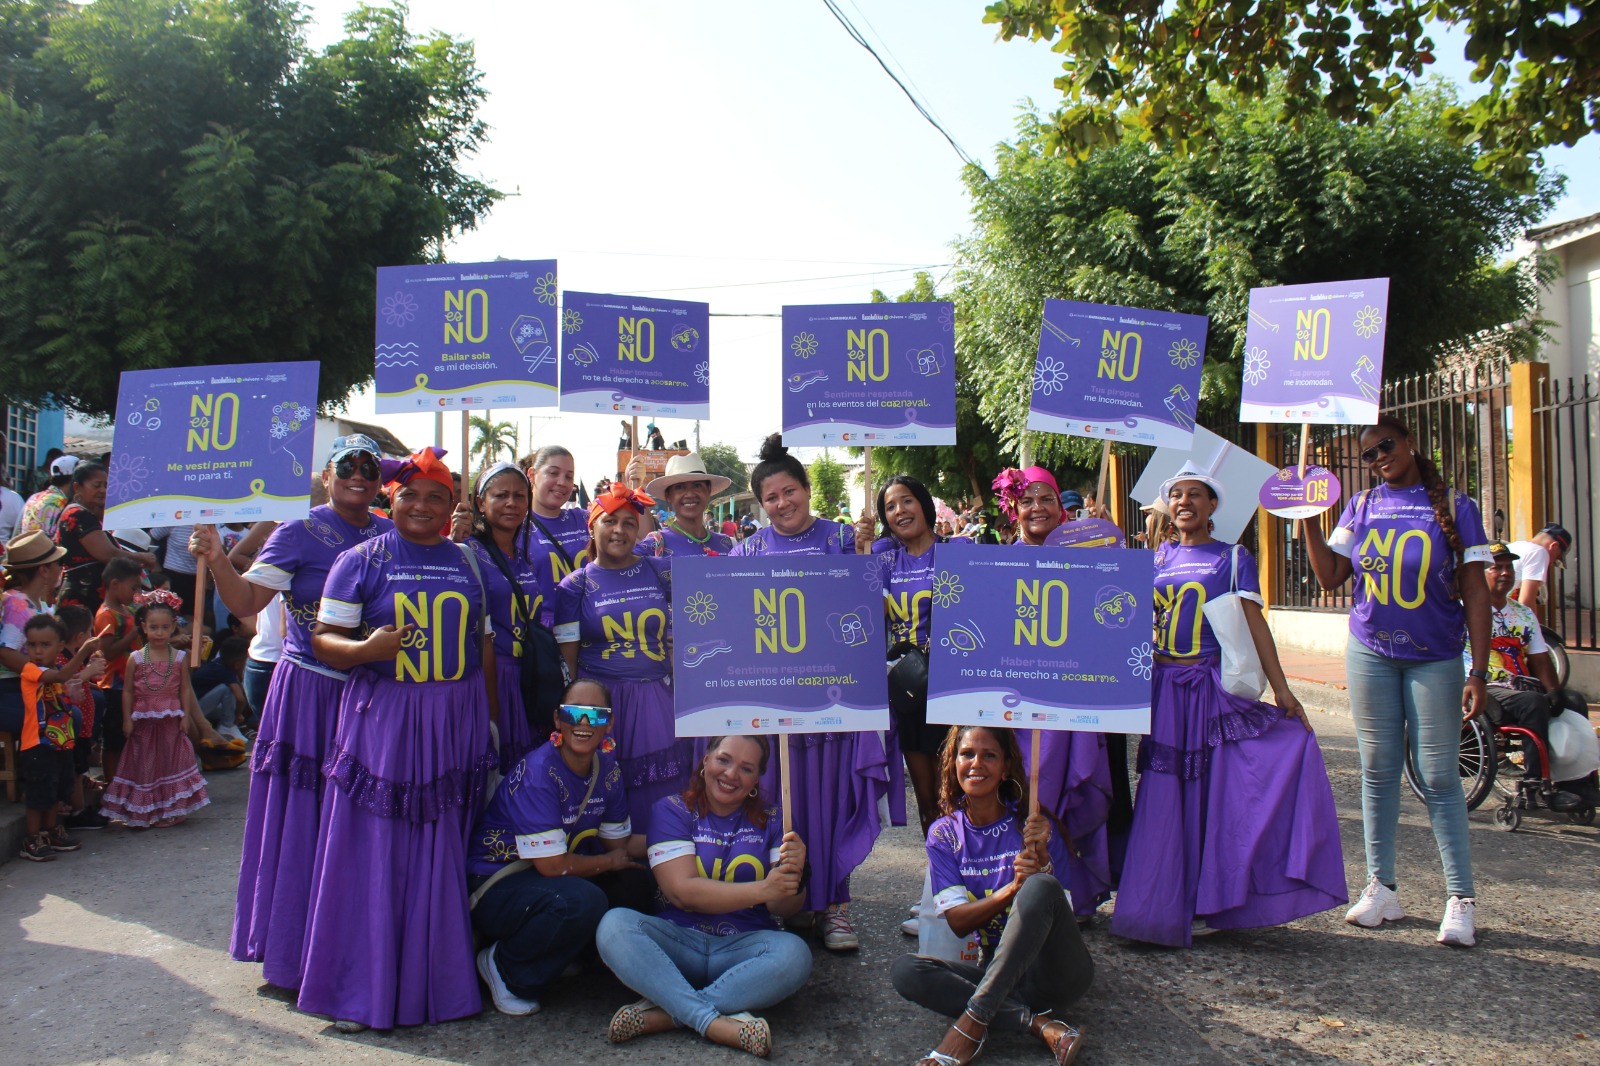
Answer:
[(118, 953)]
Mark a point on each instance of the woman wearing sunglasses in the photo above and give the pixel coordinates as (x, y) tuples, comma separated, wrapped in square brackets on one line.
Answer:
[(389, 936), (560, 533), (728, 873), (1419, 549), (613, 616), (551, 855), (1075, 770), (301, 709)]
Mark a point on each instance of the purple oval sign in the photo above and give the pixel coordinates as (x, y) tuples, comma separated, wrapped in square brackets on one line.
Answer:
[(1288, 495), (1086, 533)]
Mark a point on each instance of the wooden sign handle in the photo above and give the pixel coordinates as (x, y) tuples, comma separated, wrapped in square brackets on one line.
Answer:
[(1305, 440), (783, 774), (1033, 773), (198, 621)]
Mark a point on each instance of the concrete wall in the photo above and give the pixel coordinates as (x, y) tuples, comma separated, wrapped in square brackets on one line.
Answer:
[(1317, 632)]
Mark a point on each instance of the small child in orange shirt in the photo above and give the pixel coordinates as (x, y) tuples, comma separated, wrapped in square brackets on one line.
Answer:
[(47, 733)]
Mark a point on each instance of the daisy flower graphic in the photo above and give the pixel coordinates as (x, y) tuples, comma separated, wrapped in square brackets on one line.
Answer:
[(947, 589), (1143, 660), (1184, 353), (1049, 376), (701, 608), (702, 373), (803, 345), (545, 289), (399, 309), (1369, 320), (571, 321), (1256, 366), (127, 475)]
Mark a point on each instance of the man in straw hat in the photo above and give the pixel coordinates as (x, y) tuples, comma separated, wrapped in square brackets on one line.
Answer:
[(687, 489)]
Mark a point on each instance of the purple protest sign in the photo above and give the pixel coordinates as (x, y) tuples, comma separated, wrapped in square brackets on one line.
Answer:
[(1118, 373), (1288, 495), (869, 374), (1314, 353), (635, 356), (1087, 533), (778, 644), (213, 444), (462, 335), (1041, 638)]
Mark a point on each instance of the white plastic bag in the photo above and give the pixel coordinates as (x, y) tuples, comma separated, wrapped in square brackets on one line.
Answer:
[(1574, 748), (934, 936), (1241, 666)]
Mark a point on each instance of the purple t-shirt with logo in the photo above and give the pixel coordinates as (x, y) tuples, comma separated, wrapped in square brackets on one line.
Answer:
[(1187, 578), (967, 862), (1405, 571), (620, 619), (391, 581), (295, 562), (907, 593), (725, 847), (571, 531), (822, 537), (506, 604), (534, 813), (668, 541)]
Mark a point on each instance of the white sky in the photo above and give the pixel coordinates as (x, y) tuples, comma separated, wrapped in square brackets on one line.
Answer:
[(747, 155)]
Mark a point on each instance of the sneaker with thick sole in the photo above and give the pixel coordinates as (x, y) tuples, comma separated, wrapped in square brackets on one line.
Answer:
[(838, 934), (911, 927), (505, 1001), (60, 841), (1457, 928), (1378, 904), (36, 848)]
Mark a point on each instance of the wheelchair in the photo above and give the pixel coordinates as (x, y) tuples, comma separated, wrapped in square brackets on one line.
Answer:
[(1491, 760)]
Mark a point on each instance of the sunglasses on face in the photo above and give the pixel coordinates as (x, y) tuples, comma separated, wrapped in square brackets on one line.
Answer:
[(349, 465), (1383, 447), (580, 714)]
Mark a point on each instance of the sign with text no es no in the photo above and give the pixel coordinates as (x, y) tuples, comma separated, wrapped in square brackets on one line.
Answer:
[(213, 444)]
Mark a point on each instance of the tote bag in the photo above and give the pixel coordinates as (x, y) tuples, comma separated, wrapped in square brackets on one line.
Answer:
[(1241, 666)]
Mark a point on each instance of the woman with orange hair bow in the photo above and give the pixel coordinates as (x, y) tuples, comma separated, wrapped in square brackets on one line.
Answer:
[(389, 933), (613, 621)]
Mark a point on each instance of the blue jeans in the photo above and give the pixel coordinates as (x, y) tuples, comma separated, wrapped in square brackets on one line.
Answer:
[(257, 679), (539, 925), (1391, 700), (696, 977)]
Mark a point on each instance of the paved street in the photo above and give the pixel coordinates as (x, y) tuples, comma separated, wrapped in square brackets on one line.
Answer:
[(118, 954)]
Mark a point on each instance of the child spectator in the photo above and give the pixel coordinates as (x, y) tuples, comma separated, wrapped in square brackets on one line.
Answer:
[(86, 702), (157, 783), (219, 686), (123, 579), (47, 738)]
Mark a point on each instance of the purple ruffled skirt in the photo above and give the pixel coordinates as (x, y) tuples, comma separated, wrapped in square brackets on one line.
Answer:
[(516, 736), (838, 779), (281, 821), (1235, 821), (655, 763), (389, 937), (1074, 783)]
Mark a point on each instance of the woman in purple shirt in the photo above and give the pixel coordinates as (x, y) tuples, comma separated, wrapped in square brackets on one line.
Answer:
[(1418, 548), (1235, 825), (838, 777), (560, 533), (1074, 774), (993, 875), (389, 936), (727, 874), (687, 488), (613, 620), (300, 713)]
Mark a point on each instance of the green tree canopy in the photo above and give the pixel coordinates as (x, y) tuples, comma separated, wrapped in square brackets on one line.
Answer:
[(1274, 206), (724, 459), (827, 484), (185, 182), (1166, 70)]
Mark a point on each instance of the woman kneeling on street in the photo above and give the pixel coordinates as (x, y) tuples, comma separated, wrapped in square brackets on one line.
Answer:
[(728, 874), (992, 874)]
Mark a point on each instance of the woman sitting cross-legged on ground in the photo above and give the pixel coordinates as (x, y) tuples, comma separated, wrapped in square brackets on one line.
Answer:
[(992, 874), (551, 855), (728, 874)]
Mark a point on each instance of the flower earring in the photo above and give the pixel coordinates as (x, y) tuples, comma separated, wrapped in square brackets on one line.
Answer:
[(555, 738)]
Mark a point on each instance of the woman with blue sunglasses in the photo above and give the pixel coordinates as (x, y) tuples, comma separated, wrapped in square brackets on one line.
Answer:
[(552, 853)]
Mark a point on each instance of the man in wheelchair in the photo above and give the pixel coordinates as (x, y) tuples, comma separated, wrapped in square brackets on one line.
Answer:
[(1522, 680)]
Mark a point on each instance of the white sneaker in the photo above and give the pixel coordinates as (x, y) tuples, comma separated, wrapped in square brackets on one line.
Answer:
[(916, 909), (1457, 926), (505, 1001), (838, 934), (1378, 904), (911, 927), (1199, 927)]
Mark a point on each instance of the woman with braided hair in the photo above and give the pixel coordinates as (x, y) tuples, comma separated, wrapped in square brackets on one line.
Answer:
[(1419, 547)]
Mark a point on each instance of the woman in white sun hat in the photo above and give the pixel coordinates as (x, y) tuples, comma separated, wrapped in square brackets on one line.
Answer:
[(687, 489)]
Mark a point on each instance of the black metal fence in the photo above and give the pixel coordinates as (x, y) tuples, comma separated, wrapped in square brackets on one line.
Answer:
[(1568, 415)]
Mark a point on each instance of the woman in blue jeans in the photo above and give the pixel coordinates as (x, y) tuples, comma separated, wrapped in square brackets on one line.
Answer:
[(1419, 547), (728, 874)]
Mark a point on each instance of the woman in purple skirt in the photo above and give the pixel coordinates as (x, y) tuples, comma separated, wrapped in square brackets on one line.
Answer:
[(1074, 772), (560, 533), (299, 715), (389, 938), (838, 777), (613, 619), (1235, 825), (495, 525)]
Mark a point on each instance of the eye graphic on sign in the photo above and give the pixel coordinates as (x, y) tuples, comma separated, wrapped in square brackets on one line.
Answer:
[(964, 637)]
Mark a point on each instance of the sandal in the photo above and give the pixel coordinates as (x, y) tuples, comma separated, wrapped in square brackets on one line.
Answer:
[(1067, 1043), (939, 1058), (629, 1021), (755, 1035)]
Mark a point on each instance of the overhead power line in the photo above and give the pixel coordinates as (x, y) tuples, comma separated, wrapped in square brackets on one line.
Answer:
[(857, 36), (793, 281)]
